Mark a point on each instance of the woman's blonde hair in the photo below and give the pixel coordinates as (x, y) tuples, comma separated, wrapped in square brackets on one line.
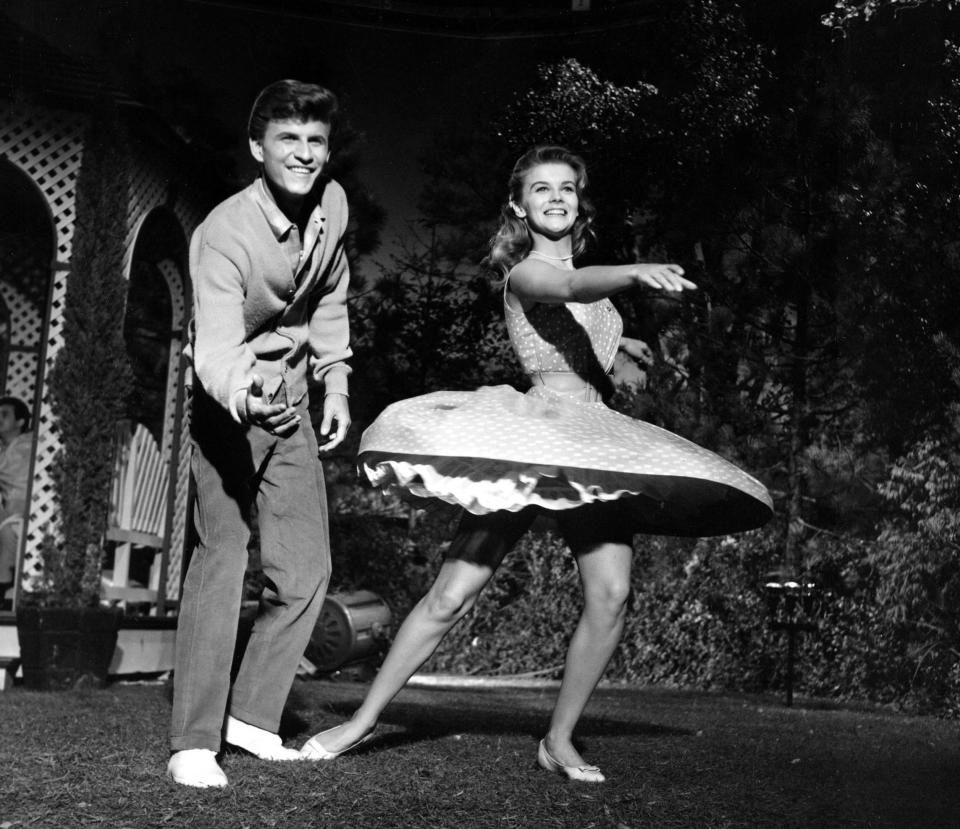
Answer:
[(512, 241)]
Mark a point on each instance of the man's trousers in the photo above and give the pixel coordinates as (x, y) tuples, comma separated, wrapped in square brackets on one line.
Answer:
[(236, 468)]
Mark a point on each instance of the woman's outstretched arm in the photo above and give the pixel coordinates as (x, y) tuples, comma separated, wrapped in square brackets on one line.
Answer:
[(535, 281)]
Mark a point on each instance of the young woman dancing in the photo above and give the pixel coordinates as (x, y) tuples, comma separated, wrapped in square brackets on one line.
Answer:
[(505, 457)]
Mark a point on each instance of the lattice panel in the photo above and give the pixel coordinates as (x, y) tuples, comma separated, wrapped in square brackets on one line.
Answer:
[(147, 192), (26, 322), (181, 502), (171, 273), (170, 424), (175, 282), (25, 318), (189, 214), (21, 380), (43, 506), (47, 145)]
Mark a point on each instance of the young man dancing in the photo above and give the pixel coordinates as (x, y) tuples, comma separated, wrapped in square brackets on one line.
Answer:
[(270, 276)]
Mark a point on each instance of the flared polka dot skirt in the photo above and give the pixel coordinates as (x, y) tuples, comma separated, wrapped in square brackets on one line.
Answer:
[(499, 449)]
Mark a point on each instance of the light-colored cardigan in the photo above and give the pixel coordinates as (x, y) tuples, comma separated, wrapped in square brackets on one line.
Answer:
[(250, 316)]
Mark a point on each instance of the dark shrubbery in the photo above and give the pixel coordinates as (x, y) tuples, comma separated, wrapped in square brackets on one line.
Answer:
[(699, 621)]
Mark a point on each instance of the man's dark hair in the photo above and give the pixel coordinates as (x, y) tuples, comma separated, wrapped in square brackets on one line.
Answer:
[(21, 411), (290, 100)]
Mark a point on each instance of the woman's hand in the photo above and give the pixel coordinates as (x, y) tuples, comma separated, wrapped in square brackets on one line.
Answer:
[(664, 277), (638, 349)]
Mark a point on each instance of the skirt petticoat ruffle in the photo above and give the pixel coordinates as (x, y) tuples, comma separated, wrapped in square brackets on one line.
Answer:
[(498, 449)]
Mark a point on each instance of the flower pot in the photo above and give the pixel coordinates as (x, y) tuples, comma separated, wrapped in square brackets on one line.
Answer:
[(62, 647)]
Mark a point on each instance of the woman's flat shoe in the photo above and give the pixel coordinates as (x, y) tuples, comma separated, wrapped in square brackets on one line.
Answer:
[(258, 742), (588, 774), (313, 749)]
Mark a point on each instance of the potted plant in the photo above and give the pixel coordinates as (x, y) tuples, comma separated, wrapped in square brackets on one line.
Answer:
[(66, 636), (64, 632)]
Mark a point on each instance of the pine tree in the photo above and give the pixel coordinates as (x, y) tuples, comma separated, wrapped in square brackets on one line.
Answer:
[(91, 377)]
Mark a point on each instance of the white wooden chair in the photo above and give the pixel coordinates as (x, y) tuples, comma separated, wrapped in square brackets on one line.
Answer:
[(138, 516)]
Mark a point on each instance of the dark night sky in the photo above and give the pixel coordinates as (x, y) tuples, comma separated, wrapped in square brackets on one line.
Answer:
[(396, 86)]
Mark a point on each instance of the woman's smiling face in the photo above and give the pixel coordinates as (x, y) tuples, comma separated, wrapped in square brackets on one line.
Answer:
[(550, 201)]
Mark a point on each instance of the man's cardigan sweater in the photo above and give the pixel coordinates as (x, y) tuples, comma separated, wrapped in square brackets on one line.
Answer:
[(253, 314)]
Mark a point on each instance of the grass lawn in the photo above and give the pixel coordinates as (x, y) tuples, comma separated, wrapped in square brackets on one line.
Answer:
[(466, 758)]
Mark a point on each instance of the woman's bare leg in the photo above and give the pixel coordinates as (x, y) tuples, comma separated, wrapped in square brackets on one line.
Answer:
[(605, 577), (474, 556), (449, 599)]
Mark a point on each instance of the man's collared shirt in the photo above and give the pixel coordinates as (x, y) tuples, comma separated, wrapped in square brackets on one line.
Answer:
[(286, 231)]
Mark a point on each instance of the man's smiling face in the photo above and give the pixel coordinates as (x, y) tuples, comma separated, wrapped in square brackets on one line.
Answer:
[(293, 154)]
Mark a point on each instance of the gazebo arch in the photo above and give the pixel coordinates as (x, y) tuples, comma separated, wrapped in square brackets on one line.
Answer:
[(156, 317), (45, 146), (27, 260), (152, 467), (47, 100)]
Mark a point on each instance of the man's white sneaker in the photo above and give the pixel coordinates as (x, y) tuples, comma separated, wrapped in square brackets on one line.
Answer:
[(196, 767), (261, 743)]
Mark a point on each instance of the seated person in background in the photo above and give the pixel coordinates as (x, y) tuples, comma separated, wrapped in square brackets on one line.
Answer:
[(16, 447)]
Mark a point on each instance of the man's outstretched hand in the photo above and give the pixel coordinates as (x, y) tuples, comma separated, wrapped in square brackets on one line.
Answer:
[(275, 418), (336, 409)]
